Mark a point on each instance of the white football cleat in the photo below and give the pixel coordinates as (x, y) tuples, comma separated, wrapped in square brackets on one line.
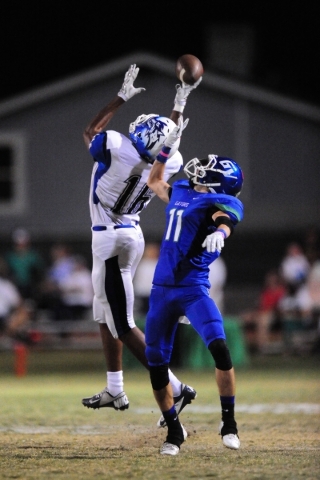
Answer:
[(171, 449), (105, 399), (229, 440)]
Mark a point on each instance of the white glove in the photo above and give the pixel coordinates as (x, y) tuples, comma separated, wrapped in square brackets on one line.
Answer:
[(176, 133), (182, 95), (128, 90), (214, 241)]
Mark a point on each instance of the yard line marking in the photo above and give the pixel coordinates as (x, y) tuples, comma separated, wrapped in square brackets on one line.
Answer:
[(276, 408)]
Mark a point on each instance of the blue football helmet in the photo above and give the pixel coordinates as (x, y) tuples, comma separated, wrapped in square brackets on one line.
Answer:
[(219, 174), (148, 134)]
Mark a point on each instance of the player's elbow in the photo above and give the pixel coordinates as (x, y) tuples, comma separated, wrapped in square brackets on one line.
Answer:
[(151, 184), (87, 137)]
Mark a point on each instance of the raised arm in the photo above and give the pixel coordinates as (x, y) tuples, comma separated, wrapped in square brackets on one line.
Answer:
[(180, 100), (101, 120), (155, 181)]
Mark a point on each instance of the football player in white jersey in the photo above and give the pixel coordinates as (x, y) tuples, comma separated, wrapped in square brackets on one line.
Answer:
[(118, 194)]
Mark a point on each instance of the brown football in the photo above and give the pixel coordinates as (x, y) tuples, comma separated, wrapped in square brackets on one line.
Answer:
[(189, 69)]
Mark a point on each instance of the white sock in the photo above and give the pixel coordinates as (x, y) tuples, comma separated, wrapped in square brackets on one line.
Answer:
[(175, 383), (115, 382)]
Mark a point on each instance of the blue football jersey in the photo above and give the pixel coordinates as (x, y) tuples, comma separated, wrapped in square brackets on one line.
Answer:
[(183, 261)]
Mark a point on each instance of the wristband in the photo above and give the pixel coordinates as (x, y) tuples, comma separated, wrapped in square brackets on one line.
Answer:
[(122, 95), (178, 108), (222, 231), (163, 156)]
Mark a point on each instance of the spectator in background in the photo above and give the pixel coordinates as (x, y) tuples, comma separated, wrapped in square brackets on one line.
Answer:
[(61, 267), (291, 320), (217, 279), (295, 266), (142, 281), (62, 263), (76, 290), (26, 265), (308, 297), (14, 311), (260, 320), (300, 314), (311, 244)]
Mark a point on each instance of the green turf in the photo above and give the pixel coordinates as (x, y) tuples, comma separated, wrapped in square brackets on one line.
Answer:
[(47, 433)]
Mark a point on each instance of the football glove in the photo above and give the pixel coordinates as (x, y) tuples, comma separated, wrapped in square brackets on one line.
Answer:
[(176, 133), (214, 241), (182, 94), (127, 90)]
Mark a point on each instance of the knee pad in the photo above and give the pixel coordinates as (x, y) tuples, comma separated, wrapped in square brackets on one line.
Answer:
[(221, 355), (159, 376)]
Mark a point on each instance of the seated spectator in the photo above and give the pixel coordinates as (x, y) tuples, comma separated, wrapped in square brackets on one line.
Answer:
[(308, 297), (61, 267), (290, 316), (76, 290), (300, 315), (14, 310), (295, 266), (259, 322), (26, 265), (288, 306), (62, 263)]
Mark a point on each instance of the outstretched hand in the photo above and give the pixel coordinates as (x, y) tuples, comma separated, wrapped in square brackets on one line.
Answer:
[(183, 91), (128, 90), (176, 133)]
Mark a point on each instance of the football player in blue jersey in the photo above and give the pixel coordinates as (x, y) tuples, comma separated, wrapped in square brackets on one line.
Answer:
[(201, 213), (118, 193)]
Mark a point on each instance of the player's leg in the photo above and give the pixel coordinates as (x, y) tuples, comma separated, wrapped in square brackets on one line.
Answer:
[(162, 391), (112, 282), (161, 327), (206, 318), (113, 394), (104, 245), (123, 269), (225, 378)]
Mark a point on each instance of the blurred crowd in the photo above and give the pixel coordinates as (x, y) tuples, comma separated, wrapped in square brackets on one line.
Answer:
[(287, 310), (59, 287), (30, 285), (285, 317)]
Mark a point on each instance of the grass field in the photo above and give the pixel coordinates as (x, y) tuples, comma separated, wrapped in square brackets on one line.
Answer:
[(46, 433)]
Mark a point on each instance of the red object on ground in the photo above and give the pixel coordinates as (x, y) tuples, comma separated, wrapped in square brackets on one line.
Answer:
[(20, 359)]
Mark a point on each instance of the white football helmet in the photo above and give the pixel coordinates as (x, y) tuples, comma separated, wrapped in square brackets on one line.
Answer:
[(148, 134)]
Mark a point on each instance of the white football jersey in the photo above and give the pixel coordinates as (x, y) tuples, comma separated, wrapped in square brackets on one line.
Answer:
[(119, 191)]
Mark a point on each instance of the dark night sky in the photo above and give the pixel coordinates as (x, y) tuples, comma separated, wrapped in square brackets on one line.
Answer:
[(46, 41)]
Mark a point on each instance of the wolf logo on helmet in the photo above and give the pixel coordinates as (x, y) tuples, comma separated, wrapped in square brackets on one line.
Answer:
[(219, 174), (148, 134)]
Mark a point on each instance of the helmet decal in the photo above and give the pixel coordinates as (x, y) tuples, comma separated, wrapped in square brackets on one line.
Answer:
[(148, 134)]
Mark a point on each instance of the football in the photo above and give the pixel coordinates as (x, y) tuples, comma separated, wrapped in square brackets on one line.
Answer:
[(189, 69)]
